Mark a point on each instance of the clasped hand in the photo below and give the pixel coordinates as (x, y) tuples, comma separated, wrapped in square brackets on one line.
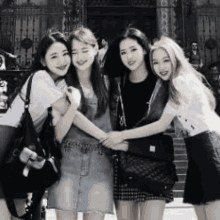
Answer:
[(74, 96), (115, 141)]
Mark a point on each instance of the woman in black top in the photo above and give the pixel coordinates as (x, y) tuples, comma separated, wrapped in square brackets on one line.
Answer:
[(128, 69)]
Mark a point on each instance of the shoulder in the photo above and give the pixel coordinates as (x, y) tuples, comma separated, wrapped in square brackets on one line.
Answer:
[(185, 84), (43, 76)]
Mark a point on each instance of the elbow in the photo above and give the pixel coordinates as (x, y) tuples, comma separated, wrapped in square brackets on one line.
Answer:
[(58, 136), (59, 139)]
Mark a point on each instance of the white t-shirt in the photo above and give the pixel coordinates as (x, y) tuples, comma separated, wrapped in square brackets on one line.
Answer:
[(43, 94), (194, 114)]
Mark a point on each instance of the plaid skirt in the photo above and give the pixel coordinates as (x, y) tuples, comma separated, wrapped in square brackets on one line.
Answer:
[(126, 193)]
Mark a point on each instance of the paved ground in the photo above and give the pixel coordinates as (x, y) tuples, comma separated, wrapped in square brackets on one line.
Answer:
[(174, 211)]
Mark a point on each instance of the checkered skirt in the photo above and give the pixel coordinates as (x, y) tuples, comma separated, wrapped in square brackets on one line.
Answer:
[(126, 193)]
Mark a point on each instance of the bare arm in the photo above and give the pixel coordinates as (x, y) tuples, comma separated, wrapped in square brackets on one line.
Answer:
[(86, 125), (70, 115), (150, 129), (140, 132)]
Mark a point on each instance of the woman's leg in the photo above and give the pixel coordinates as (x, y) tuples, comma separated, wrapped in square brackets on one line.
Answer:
[(66, 215), (212, 210), (93, 216), (152, 210), (127, 210), (200, 212), (4, 213), (20, 207)]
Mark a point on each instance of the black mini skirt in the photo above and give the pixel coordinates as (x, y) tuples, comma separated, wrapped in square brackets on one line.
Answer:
[(203, 173)]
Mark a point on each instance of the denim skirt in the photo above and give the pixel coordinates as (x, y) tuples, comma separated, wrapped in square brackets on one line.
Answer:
[(203, 173), (86, 184)]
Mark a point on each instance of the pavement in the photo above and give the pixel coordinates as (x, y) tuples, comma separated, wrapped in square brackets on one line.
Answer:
[(175, 210)]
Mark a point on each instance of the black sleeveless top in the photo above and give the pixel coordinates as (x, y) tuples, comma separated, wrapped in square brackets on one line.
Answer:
[(136, 98)]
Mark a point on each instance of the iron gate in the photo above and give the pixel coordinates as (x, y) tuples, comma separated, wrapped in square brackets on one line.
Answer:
[(24, 22)]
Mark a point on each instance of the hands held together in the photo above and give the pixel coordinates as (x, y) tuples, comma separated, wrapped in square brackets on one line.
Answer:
[(115, 141)]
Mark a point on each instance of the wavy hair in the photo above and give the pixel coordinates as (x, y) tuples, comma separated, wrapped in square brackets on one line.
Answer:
[(181, 66), (86, 36)]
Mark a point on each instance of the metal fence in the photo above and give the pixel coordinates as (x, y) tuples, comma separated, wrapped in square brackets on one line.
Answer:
[(23, 25)]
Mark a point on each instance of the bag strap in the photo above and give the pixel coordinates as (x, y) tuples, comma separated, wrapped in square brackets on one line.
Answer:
[(28, 91), (122, 119)]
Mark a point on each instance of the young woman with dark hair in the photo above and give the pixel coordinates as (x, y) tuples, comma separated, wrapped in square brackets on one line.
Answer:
[(128, 58), (51, 64)]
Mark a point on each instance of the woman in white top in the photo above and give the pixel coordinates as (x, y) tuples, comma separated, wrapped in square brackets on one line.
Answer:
[(191, 106), (52, 62)]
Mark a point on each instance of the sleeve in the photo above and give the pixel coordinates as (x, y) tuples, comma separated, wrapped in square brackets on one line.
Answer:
[(44, 91), (171, 108), (185, 86)]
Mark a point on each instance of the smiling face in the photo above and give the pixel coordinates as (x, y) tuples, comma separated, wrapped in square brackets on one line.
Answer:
[(132, 54), (57, 60), (162, 64), (83, 55), (194, 46)]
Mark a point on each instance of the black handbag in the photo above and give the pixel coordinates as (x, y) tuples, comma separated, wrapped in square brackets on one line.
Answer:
[(32, 161), (147, 174), (148, 165)]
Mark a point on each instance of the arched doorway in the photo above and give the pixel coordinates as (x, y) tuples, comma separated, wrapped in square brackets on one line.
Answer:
[(108, 18)]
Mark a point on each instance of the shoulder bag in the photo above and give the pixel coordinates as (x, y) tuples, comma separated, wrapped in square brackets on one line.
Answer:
[(32, 161), (148, 164)]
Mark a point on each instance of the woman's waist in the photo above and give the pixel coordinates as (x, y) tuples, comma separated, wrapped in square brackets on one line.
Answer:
[(197, 124)]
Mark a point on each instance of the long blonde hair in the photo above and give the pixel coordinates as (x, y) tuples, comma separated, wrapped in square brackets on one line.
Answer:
[(182, 67)]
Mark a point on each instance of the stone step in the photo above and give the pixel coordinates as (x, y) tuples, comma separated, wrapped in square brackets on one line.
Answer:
[(181, 170), (178, 193), (179, 186), (181, 164), (179, 151), (182, 177), (180, 157)]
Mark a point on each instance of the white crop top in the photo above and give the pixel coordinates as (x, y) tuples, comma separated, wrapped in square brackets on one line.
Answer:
[(193, 115)]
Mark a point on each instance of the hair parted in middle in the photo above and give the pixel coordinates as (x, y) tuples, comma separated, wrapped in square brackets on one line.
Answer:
[(86, 36), (180, 66), (113, 64)]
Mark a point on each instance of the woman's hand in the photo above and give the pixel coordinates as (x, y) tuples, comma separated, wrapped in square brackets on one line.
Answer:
[(122, 146), (112, 139), (74, 96)]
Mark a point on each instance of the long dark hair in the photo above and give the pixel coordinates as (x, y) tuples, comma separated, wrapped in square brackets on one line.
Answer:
[(86, 36), (42, 49), (114, 67)]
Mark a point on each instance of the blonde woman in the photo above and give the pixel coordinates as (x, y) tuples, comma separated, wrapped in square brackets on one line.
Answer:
[(191, 105)]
